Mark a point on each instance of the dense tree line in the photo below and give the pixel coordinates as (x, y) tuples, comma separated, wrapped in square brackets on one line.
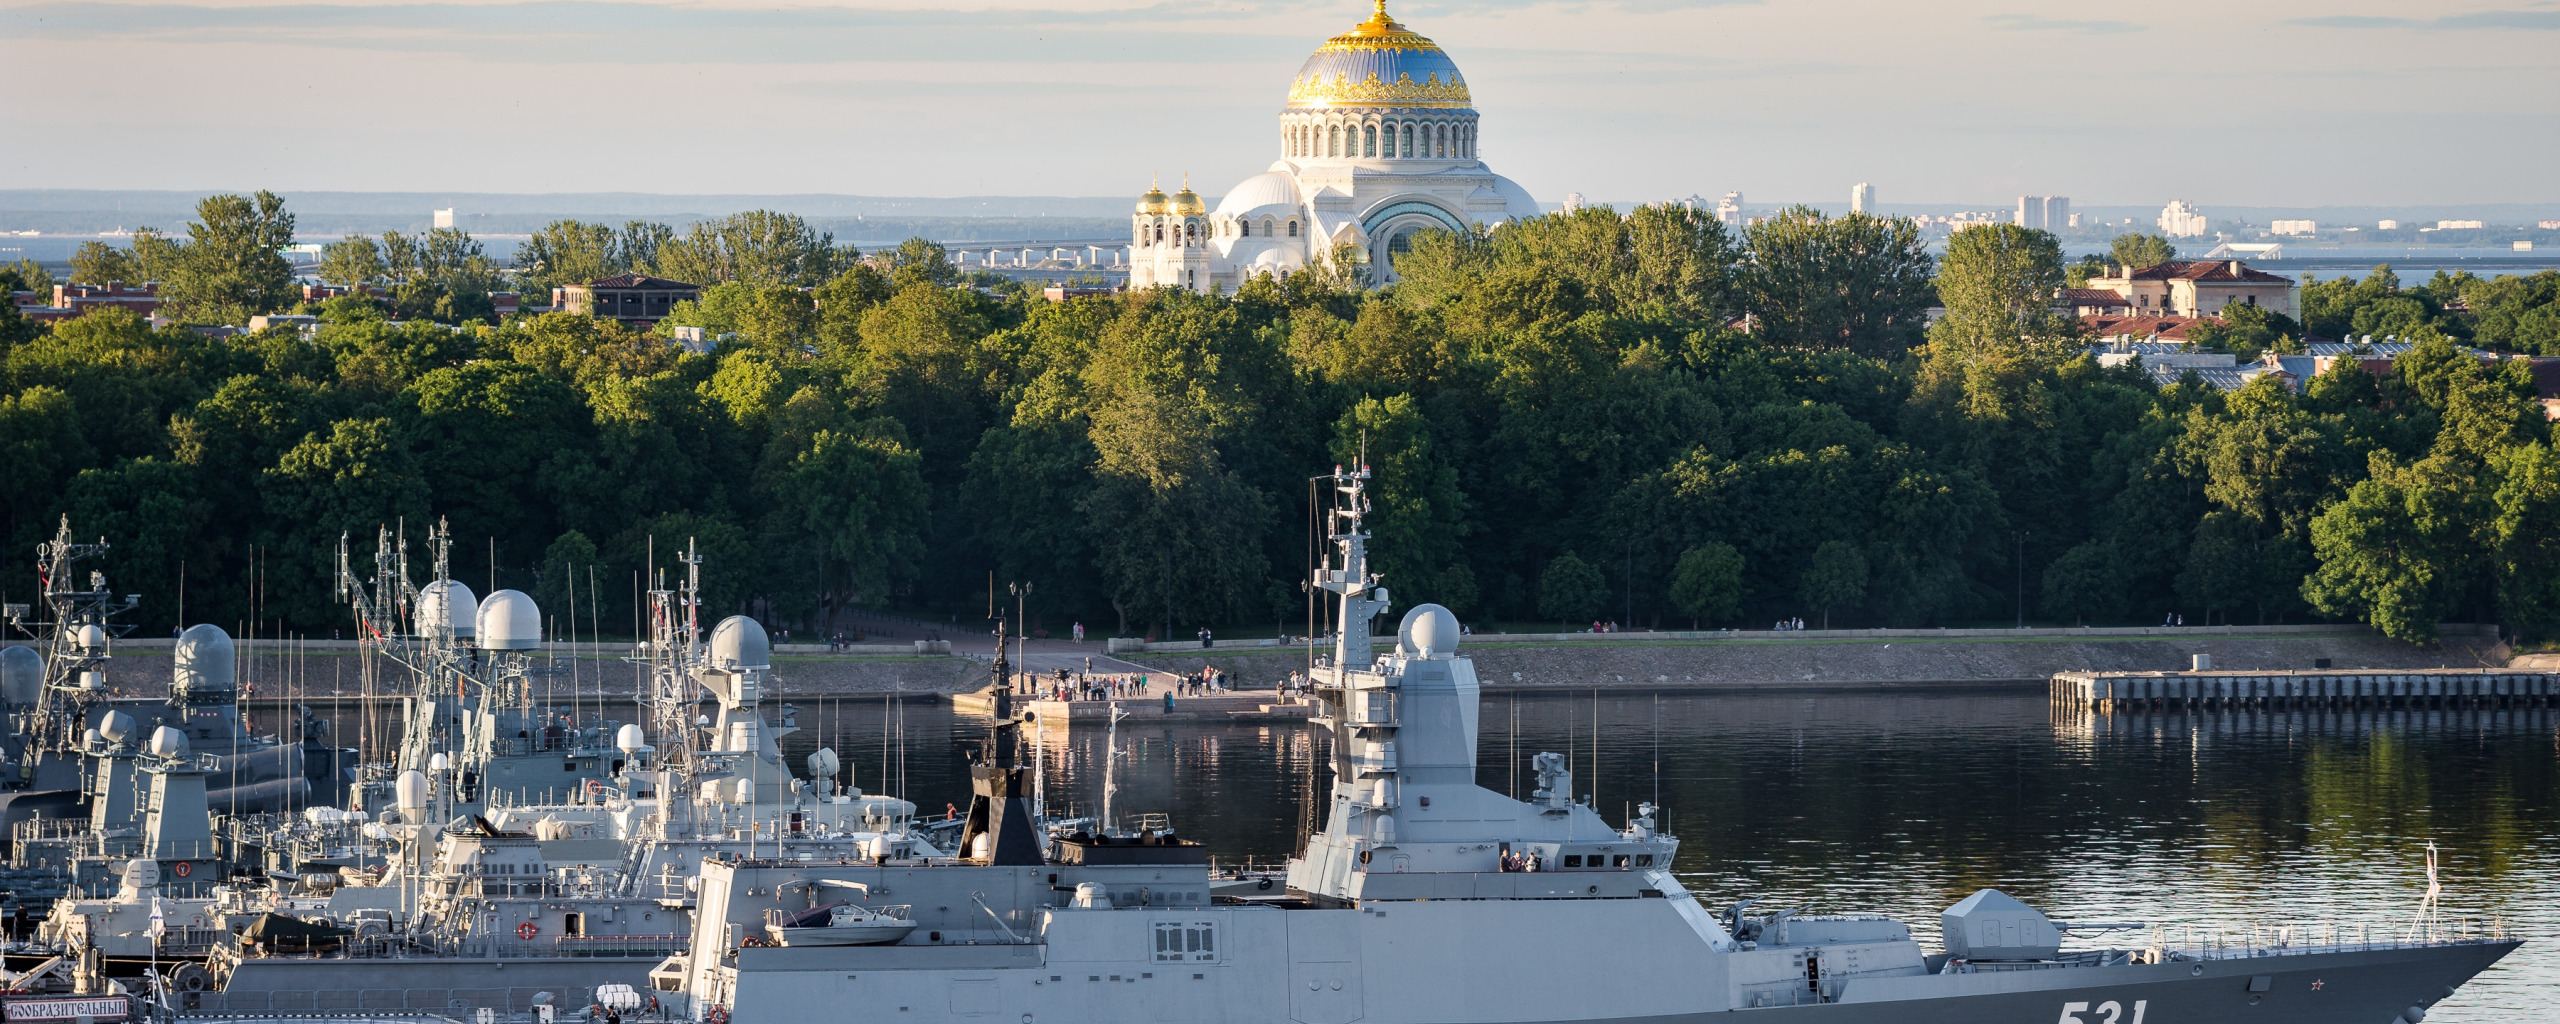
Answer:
[(1641, 417)]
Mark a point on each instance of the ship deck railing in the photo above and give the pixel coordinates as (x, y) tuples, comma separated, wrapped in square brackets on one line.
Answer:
[(2263, 941), (560, 947)]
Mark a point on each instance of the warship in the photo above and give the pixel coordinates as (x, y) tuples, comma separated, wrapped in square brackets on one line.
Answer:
[(57, 703), (519, 854), (1429, 899)]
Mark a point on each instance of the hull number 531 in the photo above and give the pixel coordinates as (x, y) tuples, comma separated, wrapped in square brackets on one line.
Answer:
[(2109, 1012)]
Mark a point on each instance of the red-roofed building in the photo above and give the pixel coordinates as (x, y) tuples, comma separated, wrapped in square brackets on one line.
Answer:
[(2197, 288), (2092, 302), (635, 299), (2143, 328), (81, 298), (2546, 383)]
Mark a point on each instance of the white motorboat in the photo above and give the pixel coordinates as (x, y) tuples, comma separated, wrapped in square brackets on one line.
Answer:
[(839, 924)]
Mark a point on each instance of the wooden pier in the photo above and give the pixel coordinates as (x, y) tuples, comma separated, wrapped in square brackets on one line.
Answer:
[(2111, 692)]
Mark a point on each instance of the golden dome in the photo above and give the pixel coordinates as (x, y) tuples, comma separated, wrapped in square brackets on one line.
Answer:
[(1186, 203), (1153, 201), (1379, 63)]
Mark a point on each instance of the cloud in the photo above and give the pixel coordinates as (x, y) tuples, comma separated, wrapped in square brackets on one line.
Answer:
[(2542, 20), (2032, 23)]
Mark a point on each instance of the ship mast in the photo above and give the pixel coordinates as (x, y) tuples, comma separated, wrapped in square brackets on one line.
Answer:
[(76, 635)]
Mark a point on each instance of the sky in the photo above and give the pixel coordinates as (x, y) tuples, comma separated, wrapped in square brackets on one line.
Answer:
[(2266, 102)]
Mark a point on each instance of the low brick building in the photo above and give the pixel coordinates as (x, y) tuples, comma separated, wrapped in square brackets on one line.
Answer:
[(635, 299)]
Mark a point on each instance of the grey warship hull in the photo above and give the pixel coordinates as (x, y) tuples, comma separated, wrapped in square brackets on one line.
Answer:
[(1471, 962)]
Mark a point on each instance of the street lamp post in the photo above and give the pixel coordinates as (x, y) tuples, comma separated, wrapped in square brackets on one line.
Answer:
[(1022, 627)]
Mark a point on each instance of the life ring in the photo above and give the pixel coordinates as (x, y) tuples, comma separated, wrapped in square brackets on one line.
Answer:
[(595, 787), (184, 868), (752, 940), (528, 930), (718, 1015)]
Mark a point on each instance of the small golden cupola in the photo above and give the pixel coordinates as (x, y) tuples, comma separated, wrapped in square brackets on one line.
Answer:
[(1186, 203), (1153, 202)]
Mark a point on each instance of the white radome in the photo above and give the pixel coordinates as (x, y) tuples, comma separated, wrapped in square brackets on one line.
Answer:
[(203, 659), (450, 601), (168, 742), (509, 621), (739, 643), (1428, 630)]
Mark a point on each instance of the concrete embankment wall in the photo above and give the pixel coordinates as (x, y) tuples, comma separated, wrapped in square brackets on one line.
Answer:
[(1753, 660), (326, 668), (1864, 659)]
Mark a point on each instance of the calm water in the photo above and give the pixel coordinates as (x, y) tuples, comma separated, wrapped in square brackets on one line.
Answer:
[(1904, 804)]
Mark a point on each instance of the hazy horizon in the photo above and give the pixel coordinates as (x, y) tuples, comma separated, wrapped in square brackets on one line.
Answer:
[(2290, 104)]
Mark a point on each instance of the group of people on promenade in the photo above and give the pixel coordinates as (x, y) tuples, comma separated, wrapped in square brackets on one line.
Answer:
[(1068, 685)]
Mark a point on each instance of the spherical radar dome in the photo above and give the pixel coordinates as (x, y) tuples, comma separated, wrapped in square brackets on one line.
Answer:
[(449, 601), (739, 642), (203, 660), (1427, 627), (509, 621), (1379, 63)]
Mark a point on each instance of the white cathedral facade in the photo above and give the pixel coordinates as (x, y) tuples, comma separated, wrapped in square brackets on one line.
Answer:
[(1378, 141)]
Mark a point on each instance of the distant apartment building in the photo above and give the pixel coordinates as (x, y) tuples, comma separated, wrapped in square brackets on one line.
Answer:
[(2294, 227), (635, 299), (1729, 209), (1573, 202), (444, 217), (1862, 198), (2197, 288), (2043, 213), (2181, 219), (2548, 225), (2386, 225), (2458, 225)]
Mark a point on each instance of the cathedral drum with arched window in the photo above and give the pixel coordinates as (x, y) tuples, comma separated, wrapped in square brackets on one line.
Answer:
[(1377, 144)]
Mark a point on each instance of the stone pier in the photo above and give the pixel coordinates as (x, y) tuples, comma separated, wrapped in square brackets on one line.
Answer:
[(2112, 692)]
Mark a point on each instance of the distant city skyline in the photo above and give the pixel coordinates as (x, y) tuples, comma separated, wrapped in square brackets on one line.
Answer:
[(1797, 97)]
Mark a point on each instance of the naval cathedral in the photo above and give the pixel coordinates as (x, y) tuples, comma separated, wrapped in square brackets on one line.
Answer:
[(1378, 141)]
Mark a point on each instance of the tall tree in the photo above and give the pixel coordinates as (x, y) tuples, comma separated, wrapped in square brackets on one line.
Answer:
[(1857, 283), (2140, 251), (233, 266), (1837, 577), (352, 261), (1570, 590), (1708, 582), (99, 263), (757, 247)]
